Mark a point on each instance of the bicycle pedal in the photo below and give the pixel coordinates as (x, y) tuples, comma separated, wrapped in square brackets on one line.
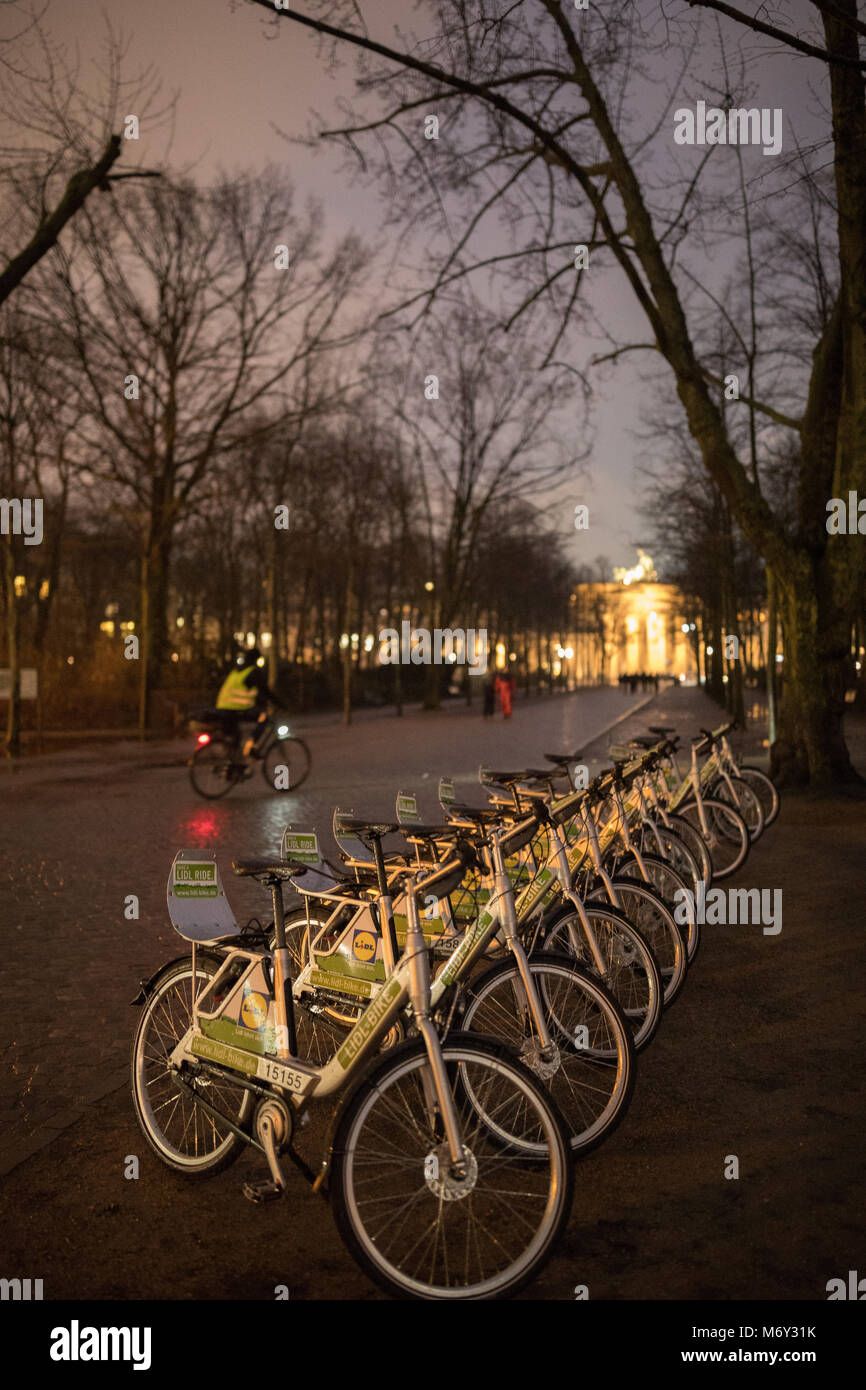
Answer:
[(260, 1192)]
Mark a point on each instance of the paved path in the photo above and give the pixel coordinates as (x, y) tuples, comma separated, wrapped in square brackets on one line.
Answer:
[(758, 1059), (84, 829)]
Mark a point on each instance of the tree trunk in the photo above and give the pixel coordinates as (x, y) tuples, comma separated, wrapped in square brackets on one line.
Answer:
[(13, 720), (810, 744), (154, 599)]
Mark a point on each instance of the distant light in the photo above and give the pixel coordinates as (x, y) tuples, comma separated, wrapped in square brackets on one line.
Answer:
[(344, 640), (685, 627), (691, 627), (180, 622), (20, 585), (174, 656), (70, 661), (282, 731), (569, 652), (202, 740), (429, 586), (682, 678), (368, 644), (512, 656), (260, 661), (856, 665), (267, 639), (779, 658), (709, 651)]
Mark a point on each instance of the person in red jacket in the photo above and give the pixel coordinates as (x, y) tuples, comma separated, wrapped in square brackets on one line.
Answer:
[(504, 688)]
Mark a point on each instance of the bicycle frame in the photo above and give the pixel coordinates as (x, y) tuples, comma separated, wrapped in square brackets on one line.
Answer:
[(408, 983)]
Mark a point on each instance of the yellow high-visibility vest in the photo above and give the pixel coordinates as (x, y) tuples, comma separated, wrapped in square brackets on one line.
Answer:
[(234, 694)]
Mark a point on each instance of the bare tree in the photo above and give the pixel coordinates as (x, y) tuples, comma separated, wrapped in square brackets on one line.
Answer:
[(535, 99), (61, 145), (480, 416), (187, 310)]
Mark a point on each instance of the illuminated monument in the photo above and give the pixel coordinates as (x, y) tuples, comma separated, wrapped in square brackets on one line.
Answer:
[(632, 625)]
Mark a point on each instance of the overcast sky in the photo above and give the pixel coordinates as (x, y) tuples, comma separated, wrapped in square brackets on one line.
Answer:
[(235, 85)]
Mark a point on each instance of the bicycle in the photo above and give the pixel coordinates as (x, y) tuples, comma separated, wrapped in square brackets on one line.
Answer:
[(568, 1027), (448, 1166), (218, 765)]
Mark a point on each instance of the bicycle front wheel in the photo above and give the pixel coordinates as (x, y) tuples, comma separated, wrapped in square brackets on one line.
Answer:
[(727, 835), (286, 764), (630, 969), (764, 790), (417, 1226), (740, 795), (591, 1065), (647, 910)]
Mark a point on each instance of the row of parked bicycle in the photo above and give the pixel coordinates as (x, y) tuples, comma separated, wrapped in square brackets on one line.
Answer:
[(472, 994)]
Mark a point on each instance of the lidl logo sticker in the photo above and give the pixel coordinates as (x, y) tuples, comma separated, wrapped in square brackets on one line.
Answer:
[(364, 945), (195, 880), (254, 1010)]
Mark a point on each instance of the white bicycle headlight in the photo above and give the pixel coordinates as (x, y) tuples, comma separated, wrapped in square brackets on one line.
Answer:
[(282, 731)]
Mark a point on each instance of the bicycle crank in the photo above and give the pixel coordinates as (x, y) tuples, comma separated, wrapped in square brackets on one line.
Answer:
[(273, 1127)]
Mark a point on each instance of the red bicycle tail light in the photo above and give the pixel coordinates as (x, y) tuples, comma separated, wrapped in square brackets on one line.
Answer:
[(202, 740)]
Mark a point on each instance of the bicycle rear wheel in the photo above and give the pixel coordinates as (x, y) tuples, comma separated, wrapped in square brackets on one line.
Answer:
[(179, 1130), (210, 769), (591, 1071), (417, 1227)]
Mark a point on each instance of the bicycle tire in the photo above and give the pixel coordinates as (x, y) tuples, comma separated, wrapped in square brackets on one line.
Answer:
[(633, 976), (766, 791), (729, 840), (543, 1191), (199, 761), (581, 1075), (199, 1164), (745, 800), (292, 754)]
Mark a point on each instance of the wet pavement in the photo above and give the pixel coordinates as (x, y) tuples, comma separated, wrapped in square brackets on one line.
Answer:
[(758, 1059)]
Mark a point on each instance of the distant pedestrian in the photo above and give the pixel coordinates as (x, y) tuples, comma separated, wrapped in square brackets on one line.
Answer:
[(489, 707), (504, 688)]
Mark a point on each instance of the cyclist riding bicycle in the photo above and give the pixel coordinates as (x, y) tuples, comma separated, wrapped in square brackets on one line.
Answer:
[(244, 695)]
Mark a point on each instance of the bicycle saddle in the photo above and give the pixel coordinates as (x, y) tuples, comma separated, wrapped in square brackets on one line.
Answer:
[(276, 869), (661, 728), (488, 775), (563, 758), (375, 829), (430, 832), (479, 815)]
